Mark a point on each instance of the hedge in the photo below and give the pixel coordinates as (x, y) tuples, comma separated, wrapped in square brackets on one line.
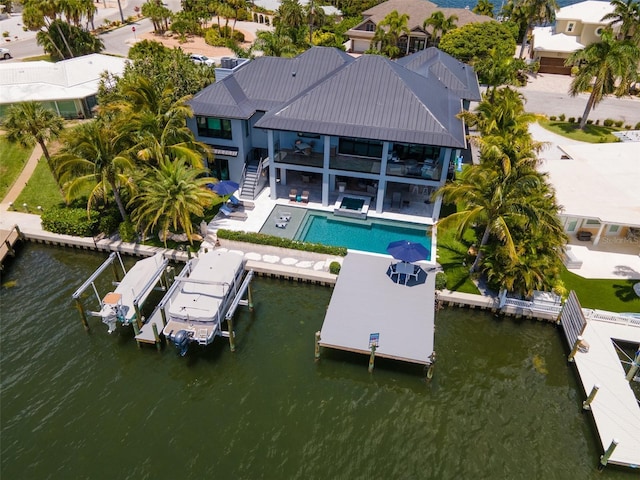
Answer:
[(69, 221), (274, 241)]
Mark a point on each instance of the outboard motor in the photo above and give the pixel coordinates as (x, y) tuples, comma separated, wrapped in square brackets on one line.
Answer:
[(111, 314), (181, 341)]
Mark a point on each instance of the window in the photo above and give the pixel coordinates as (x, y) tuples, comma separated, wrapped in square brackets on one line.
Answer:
[(571, 27), (599, 31), (370, 27), (417, 152), (614, 228), (214, 127), (592, 221), (360, 148)]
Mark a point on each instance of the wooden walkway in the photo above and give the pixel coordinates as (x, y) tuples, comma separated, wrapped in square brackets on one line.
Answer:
[(9, 240)]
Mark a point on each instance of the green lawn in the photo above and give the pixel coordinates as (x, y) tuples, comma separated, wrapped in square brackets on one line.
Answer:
[(591, 133), (13, 158), (41, 189), (452, 256), (611, 295)]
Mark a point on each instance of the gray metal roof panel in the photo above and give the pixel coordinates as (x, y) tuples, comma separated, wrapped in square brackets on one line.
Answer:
[(455, 75), (377, 99)]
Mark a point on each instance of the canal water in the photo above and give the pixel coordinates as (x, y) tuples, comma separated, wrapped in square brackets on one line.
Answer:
[(503, 403)]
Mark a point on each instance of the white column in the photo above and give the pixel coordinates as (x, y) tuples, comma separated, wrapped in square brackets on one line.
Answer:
[(600, 230), (382, 178), (273, 194), (325, 171)]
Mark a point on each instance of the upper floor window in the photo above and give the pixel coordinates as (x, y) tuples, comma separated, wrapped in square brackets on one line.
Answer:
[(370, 27), (214, 127), (360, 147), (571, 27), (599, 31)]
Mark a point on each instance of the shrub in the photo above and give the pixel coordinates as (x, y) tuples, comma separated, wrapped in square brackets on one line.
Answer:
[(127, 232), (589, 122), (637, 126), (243, 15), (608, 122), (109, 222), (238, 36), (627, 127), (212, 37), (562, 117), (334, 267), (598, 122), (618, 123), (579, 119), (262, 239), (553, 118), (572, 119), (68, 221), (441, 281)]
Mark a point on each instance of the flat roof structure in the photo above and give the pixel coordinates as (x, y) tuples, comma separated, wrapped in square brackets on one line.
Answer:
[(615, 408), (366, 302), (598, 181)]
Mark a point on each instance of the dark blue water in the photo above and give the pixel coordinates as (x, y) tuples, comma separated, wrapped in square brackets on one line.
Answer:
[(497, 3), (503, 403)]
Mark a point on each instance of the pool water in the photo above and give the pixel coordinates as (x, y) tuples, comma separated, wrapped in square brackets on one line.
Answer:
[(368, 235), (352, 203)]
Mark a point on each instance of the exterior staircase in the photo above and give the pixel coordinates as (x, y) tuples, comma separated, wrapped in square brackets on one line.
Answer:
[(249, 182)]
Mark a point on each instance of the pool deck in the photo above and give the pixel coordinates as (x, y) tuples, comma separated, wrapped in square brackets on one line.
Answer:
[(615, 408), (367, 301)]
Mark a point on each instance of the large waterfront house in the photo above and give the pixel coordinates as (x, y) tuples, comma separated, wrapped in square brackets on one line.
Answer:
[(361, 35), (327, 122), (576, 27)]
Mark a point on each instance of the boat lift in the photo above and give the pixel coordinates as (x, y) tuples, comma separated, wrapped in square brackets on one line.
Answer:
[(124, 303)]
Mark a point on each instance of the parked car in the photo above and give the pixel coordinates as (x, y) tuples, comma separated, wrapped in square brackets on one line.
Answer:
[(5, 53), (203, 60)]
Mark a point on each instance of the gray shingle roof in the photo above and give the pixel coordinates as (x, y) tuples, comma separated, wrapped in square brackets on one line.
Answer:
[(375, 98), (455, 75), (267, 82)]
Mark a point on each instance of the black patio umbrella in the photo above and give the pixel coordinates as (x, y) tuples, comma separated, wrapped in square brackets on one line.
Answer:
[(407, 251), (225, 187)]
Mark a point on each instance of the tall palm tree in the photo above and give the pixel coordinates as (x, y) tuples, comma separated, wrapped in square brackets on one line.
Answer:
[(389, 31), (29, 123), (95, 160), (439, 25), (272, 44), (606, 67), (627, 16), (169, 195), (537, 12), (483, 7)]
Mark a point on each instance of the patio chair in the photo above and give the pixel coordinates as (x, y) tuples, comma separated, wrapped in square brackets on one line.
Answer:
[(293, 195), (227, 212), (305, 196), (235, 202), (281, 225), (285, 216)]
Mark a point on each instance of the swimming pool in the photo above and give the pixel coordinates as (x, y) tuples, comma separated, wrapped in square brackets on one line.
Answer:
[(371, 235)]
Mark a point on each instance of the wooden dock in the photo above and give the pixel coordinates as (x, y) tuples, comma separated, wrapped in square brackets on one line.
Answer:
[(9, 240)]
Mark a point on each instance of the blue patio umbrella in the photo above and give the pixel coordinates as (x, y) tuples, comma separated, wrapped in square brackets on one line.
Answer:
[(225, 187), (407, 251)]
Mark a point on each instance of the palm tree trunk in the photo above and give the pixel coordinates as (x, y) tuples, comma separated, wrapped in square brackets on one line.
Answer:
[(524, 40), (64, 40), (116, 195), (485, 239), (587, 110)]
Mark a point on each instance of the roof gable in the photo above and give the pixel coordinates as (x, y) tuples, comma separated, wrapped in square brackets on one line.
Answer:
[(375, 98), (438, 65)]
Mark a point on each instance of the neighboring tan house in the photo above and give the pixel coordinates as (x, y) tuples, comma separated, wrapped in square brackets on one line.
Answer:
[(361, 35), (330, 121), (68, 87), (577, 26)]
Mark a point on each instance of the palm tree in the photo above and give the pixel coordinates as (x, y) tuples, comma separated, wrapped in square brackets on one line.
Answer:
[(439, 25), (169, 195), (498, 68), (272, 44), (29, 123), (536, 12), (95, 159), (627, 16), (389, 31), (606, 67), (484, 7)]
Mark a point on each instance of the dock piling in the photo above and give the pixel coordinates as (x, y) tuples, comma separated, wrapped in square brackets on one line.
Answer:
[(575, 348), (154, 327), (250, 298), (586, 405), (317, 347), (372, 357), (232, 340), (83, 315), (604, 459)]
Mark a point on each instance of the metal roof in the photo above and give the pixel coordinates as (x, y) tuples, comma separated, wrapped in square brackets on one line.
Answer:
[(375, 98), (267, 82), (453, 74)]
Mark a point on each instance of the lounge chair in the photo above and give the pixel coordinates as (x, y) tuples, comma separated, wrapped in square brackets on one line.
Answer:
[(227, 212), (281, 224), (305, 196), (237, 203), (293, 195), (285, 216)]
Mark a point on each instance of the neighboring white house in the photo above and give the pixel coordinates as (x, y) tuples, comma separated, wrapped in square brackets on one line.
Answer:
[(577, 26), (68, 87), (598, 188)]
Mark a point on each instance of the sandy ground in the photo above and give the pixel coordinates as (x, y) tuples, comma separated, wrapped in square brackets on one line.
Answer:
[(198, 45)]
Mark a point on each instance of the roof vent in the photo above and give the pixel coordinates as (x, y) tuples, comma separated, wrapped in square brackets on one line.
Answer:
[(293, 74)]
